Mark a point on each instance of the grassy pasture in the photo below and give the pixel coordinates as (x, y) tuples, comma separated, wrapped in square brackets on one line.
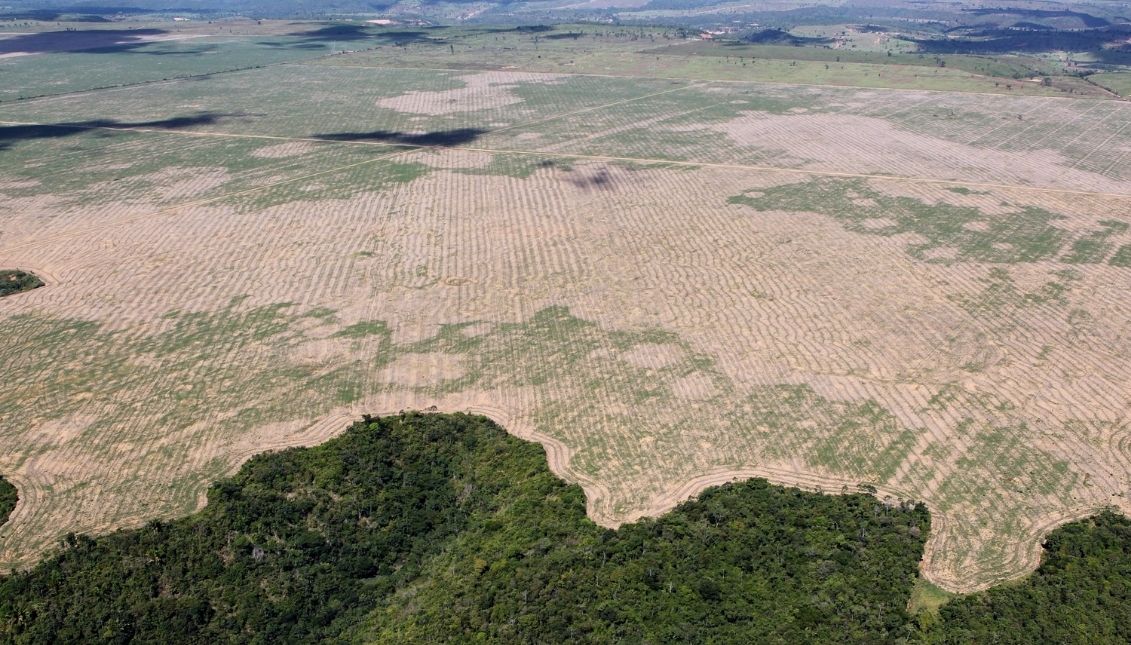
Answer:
[(59, 73), (1118, 82)]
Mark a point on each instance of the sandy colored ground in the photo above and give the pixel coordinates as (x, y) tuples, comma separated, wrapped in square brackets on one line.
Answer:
[(479, 91), (848, 143), (655, 337)]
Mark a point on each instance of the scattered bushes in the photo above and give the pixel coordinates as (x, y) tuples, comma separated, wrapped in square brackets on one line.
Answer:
[(12, 282)]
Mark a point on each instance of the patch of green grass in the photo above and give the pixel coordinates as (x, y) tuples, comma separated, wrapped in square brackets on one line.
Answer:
[(1116, 81), (378, 176), (962, 190), (92, 168), (927, 598), (365, 328), (1028, 235), (1000, 294), (1093, 247), (51, 73), (858, 439), (1122, 257), (516, 166)]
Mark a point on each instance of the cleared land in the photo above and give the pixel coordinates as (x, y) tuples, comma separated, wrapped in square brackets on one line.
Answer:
[(669, 283)]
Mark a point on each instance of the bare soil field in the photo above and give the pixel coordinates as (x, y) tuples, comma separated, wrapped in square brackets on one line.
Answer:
[(669, 284)]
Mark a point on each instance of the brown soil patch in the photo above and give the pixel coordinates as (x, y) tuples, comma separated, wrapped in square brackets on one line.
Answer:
[(482, 91), (284, 150), (859, 144), (419, 370), (695, 387), (653, 356)]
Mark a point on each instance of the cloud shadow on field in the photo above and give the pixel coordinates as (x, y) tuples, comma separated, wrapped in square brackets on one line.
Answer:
[(11, 134), (438, 138), (97, 41), (783, 37), (321, 36), (1109, 44)]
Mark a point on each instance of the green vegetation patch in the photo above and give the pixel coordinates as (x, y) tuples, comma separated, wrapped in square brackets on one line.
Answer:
[(863, 439), (949, 233), (48, 73), (376, 176), (515, 166), (442, 528), (926, 599), (1122, 257), (1002, 295), (1095, 246), (13, 282)]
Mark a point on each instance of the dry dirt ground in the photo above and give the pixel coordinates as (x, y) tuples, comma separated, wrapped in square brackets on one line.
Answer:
[(863, 302)]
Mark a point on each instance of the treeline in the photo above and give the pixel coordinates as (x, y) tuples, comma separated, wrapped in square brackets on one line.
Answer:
[(442, 528)]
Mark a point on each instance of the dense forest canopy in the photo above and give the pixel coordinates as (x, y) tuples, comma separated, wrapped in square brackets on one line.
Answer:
[(442, 528)]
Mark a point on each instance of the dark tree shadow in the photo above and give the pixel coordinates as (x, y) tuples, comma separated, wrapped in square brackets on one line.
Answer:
[(1087, 19), (438, 138), (600, 180), (568, 35), (335, 32), (782, 37), (12, 134), (354, 33)]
